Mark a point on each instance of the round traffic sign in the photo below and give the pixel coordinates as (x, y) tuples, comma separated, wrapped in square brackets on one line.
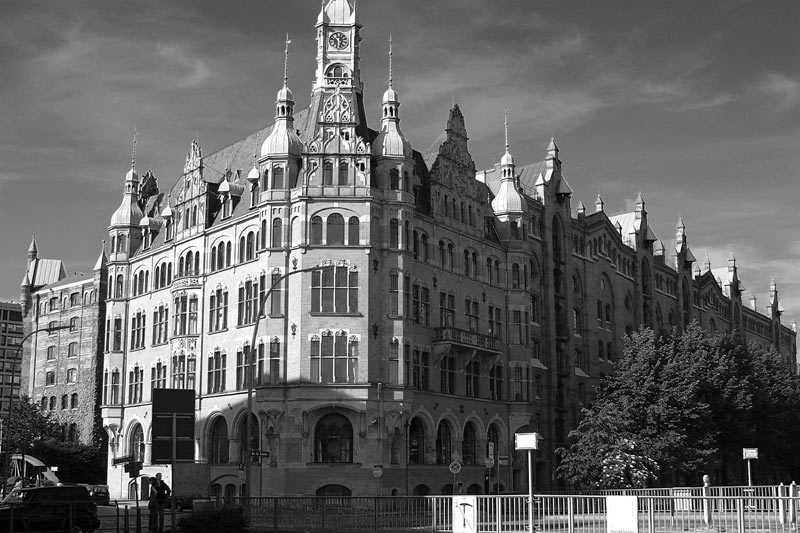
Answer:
[(455, 467), (377, 470), (489, 462)]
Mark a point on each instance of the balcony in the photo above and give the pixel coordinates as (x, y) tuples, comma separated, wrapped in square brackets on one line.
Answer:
[(190, 279), (466, 339)]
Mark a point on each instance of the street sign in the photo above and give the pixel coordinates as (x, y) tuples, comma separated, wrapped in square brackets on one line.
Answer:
[(489, 462), (260, 453), (122, 460), (749, 453), (377, 471), (527, 441), (455, 467)]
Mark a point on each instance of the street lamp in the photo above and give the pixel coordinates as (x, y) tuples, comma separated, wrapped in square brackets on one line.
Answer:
[(247, 455), (9, 424)]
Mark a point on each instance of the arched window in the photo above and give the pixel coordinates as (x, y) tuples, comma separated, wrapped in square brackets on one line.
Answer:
[(423, 245), (466, 263), (255, 443), (277, 233), (444, 439), (416, 442), (242, 249), (451, 258), (316, 230), (335, 229), (343, 173), (137, 443), (251, 245), (333, 440), (277, 178), (469, 446), (442, 255), (119, 287), (327, 173), (353, 232), (218, 443)]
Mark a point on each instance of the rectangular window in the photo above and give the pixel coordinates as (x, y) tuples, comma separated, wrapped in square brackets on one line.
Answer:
[(274, 362), (334, 290), (420, 365), (420, 304), (117, 335), (519, 384), (407, 296), (135, 380), (74, 299), (448, 375), (516, 327), (496, 383), (535, 313), (334, 359), (394, 294), (495, 324), (472, 311), (248, 303), (158, 376), (447, 311), (160, 321), (218, 310), (137, 330), (242, 368), (276, 302), (473, 375), (394, 363), (216, 372)]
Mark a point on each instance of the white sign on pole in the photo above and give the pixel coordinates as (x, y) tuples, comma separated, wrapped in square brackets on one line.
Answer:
[(465, 514), (527, 441), (749, 453), (622, 514)]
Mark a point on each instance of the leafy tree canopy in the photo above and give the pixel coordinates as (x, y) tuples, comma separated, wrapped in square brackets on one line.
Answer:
[(679, 403)]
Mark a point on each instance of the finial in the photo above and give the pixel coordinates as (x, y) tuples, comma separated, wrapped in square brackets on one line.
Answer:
[(390, 60), (133, 151), (505, 119), (286, 62)]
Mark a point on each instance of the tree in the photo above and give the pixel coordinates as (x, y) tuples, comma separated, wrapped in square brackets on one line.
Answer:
[(680, 403), (27, 425)]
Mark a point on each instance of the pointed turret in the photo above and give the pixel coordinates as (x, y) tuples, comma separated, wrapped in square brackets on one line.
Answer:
[(390, 141), (283, 139), (102, 259), (129, 213), (508, 201), (707, 263), (598, 204), (33, 251)]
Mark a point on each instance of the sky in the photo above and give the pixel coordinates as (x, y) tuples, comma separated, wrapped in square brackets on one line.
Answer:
[(694, 104)]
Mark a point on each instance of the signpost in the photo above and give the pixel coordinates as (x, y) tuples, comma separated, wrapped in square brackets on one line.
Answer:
[(530, 442), (748, 454), (121, 460)]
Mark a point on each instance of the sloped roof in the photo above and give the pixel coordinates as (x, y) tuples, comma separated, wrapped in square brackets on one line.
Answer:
[(527, 177), (45, 271)]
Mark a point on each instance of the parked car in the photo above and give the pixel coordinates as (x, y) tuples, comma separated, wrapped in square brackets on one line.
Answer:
[(99, 494), (64, 509)]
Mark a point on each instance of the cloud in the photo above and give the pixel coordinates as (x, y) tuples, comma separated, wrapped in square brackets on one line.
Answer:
[(781, 90), (198, 71)]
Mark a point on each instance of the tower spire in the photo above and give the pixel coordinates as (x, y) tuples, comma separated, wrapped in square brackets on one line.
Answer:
[(505, 120), (133, 149), (286, 62), (390, 60)]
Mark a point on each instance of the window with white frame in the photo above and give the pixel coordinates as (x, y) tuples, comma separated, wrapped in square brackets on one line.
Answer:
[(473, 378), (160, 324), (472, 311), (334, 290), (158, 376), (334, 358), (447, 310), (183, 371), (185, 314), (216, 372), (218, 310), (137, 330), (135, 383), (248, 302)]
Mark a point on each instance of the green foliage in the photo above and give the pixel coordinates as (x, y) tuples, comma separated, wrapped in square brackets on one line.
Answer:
[(28, 425), (228, 519), (77, 463), (679, 403)]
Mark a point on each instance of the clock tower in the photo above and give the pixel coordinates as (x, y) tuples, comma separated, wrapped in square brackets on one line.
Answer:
[(338, 40)]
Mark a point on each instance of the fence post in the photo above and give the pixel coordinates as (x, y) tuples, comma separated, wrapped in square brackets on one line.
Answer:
[(651, 519), (706, 502), (375, 512), (275, 512), (781, 505), (740, 514), (138, 519), (117, 508), (125, 522), (570, 515), (792, 503)]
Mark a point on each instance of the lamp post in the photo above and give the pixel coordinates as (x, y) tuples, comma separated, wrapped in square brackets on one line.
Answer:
[(9, 424), (247, 459)]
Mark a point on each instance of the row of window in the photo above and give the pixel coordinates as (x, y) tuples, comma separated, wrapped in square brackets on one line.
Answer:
[(67, 402), (71, 377), (75, 299)]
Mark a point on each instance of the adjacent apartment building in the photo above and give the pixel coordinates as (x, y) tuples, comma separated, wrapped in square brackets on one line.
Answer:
[(418, 311), (11, 334)]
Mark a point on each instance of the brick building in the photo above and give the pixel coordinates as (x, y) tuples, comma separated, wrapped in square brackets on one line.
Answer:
[(422, 311), (10, 353)]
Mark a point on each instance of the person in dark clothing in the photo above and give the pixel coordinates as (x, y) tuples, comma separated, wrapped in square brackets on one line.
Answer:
[(152, 507), (162, 493)]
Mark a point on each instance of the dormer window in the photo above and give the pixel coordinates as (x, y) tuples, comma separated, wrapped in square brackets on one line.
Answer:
[(226, 206), (170, 229)]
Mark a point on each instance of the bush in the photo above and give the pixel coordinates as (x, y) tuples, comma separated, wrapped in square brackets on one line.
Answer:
[(227, 519)]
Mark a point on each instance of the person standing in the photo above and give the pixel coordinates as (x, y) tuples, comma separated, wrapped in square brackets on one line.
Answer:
[(162, 493), (152, 507)]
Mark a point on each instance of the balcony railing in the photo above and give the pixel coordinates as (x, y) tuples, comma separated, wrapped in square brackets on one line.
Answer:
[(465, 338)]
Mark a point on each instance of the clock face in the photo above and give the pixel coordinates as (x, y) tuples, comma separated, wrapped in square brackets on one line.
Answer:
[(338, 40)]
